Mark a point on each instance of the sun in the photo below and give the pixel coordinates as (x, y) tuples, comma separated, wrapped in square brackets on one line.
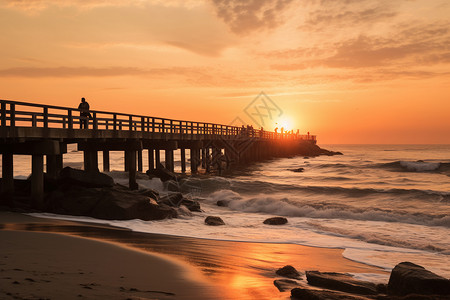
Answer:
[(284, 122)]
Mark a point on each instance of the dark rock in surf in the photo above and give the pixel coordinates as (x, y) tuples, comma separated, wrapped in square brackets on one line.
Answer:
[(308, 294), (298, 170), (223, 203), (115, 203), (162, 173), (408, 278), (288, 271), (89, 179), (177, 199), (276, 221), (285, 284), (214, 221), (341, 282)]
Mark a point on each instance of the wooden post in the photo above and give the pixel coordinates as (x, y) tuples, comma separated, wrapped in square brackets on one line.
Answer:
[(106, 167), (37, 181), (90, 160), (169, 160), (203, 158), (195, 159), (7, 173), (157, 158), (132, 169), (3, 124), (139, 156), (151, 159), (12, 115), (45, 117), (69, 119), (52, 166), (126, 162), (183, 160)]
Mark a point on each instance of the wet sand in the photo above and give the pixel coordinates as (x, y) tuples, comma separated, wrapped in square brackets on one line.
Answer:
[(46, 258)]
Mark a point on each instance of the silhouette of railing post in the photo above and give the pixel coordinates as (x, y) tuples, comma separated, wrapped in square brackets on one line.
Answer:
[(45, 117)]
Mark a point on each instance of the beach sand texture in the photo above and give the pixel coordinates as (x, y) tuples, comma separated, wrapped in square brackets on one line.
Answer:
[(119, 264)]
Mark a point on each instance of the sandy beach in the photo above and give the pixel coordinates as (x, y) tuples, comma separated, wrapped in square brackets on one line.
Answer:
[(52, 259)]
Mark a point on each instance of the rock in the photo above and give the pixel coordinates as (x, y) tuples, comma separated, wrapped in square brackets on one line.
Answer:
[(382, 288), (223, 203), (90, 179), (276, 221), (214, 221), (177, 199), (162, 173), (408, 278), (285, 284), (116, 203), (298, 170), (341, 282), (149, 193), (288, 271), (308, 294)]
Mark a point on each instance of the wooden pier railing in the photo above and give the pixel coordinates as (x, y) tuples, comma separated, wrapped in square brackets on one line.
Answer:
[(24, 114)]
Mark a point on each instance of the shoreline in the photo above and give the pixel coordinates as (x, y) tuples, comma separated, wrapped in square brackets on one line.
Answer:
[(231, 270)]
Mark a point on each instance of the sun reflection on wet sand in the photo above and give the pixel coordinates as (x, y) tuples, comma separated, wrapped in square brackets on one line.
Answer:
[(239, 270)]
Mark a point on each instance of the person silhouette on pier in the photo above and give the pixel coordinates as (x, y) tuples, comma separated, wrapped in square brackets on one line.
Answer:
[(84, 113)]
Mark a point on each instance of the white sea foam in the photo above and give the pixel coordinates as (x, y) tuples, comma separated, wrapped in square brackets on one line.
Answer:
[(419, 166)]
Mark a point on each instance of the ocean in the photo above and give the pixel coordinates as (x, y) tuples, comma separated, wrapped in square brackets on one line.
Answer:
[(382, 204)]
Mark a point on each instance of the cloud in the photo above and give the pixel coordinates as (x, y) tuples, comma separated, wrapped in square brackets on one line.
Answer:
[(71, 72), (246, 16), (38, 5), (324, 18)]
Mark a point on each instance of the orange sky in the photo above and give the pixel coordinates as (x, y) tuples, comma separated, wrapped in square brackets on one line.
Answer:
[(353, 71)]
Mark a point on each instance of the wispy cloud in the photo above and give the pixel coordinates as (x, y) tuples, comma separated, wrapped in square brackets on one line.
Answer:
[(246, 16)]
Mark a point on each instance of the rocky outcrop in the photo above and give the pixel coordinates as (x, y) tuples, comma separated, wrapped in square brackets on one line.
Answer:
[(309, 294), (223, 203), (214, 221), (162, 173), (297, 170), (309, 149), (341, 282), (288, 271), (285, 284), (90, 179), (408, 278), (177, 199), (275, 221), (110, 203)]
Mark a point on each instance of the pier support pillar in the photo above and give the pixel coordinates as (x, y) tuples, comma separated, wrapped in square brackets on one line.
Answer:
[(204, 158), (195, 159), (169, 161), (106, 167), (54, 165), (126, 162), (139, 160), (7, 174), (90, 160), (151, 160), (37, 180), (183, 160), (131, 159), (157, 158)]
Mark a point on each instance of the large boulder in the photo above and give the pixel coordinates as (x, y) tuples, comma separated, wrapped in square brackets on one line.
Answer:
[(309, 294), (288, 271), (275, 221), (116, 203), (162, 173), (285, 284), (408, 278), (91, 179), (177, 199), (341, 282), (214, 221)]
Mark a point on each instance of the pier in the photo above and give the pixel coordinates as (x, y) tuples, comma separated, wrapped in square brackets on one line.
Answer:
[(44, 131)]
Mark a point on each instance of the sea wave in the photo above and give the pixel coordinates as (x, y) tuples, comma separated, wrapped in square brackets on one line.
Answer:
[(416, 166), (286, 207)]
